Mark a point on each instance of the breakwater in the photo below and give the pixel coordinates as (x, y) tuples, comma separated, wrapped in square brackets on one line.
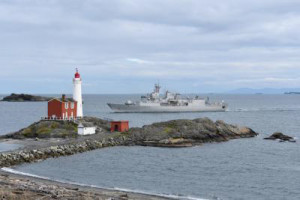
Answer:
[(31, 155)]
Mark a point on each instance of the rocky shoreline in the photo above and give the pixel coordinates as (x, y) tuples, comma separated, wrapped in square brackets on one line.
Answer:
[(15, 187), (175, 133)]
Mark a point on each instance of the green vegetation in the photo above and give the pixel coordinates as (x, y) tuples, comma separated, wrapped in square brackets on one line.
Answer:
[(54, 125), (70, 126), (58, 129), (48, 129), (168, 130), (125, 133), (43, 131)]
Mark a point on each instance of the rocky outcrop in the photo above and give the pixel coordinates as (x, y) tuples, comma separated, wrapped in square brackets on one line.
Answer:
[(179, 133), (102, 125), (46, 129), (58, 128), (281, 137), (25, 97)]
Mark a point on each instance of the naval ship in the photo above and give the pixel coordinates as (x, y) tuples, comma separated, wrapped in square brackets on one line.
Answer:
[(170, 102)]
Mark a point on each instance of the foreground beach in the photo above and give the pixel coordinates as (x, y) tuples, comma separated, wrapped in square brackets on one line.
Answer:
[(15, 186)]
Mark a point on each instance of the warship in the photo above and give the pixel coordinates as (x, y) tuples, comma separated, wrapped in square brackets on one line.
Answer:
[(170, 102)]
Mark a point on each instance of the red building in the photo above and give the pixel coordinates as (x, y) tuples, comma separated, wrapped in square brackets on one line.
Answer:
[(62, 108), (120, 126)]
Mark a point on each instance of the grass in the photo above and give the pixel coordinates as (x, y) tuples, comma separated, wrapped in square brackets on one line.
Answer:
[(43, 131), (50, 129), (70, 127), (125, 133), (27, 131), (54, 125), (168, 130)]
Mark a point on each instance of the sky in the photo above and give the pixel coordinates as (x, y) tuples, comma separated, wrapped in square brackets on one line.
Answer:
[(125, 46)]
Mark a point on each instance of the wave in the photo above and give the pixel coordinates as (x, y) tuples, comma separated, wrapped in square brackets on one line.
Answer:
[(10, 170), (180, 197)]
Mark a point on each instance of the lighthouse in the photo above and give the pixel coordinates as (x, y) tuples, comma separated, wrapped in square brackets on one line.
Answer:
[(77, 96)]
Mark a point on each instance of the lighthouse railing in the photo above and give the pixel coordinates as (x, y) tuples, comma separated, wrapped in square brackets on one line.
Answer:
[(59, 119)]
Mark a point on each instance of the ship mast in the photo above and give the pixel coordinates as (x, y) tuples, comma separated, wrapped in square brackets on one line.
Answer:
[(157, 88)]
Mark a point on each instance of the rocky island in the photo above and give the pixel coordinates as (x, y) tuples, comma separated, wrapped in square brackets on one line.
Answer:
[(24, 97), (51, 138), (183, 133), (281, 137)]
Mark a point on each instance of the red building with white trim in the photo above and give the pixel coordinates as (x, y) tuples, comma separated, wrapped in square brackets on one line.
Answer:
[(62, 108)]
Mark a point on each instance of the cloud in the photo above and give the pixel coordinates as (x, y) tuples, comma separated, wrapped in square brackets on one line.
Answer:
[(211, 45)]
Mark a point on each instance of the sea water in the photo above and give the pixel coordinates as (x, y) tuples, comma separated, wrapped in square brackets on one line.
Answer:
[(239, 169)]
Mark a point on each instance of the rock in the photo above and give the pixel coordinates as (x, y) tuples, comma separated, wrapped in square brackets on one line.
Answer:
[(58, 128), (195, 131), (102, 125), (281, 137), (25, 97), (123, 196)]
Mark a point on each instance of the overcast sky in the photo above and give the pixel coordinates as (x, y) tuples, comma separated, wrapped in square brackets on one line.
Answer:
[(125, 46)]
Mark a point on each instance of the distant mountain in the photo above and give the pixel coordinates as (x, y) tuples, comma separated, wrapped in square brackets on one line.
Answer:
[(263, 90)]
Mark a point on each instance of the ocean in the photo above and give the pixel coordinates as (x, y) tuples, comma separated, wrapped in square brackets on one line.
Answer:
[(239, 169)]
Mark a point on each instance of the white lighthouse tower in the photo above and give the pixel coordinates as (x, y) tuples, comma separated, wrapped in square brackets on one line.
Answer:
[(77, 96)]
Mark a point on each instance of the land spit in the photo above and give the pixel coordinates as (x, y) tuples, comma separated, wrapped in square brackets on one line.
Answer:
[(39, 142)]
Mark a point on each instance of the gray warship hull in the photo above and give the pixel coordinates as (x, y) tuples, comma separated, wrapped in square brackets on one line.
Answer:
[(123, 108)]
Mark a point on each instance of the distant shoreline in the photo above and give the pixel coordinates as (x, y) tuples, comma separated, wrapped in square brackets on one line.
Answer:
[(292, 93), (25, 98)]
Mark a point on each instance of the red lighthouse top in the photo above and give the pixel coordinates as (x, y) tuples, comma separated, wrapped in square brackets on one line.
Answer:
[(77, 75)]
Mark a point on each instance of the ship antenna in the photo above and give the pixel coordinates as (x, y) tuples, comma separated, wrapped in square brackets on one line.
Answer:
[(157, 88)]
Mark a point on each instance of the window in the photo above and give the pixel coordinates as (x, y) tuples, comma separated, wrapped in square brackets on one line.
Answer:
[(72, 105), (67, 105)]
